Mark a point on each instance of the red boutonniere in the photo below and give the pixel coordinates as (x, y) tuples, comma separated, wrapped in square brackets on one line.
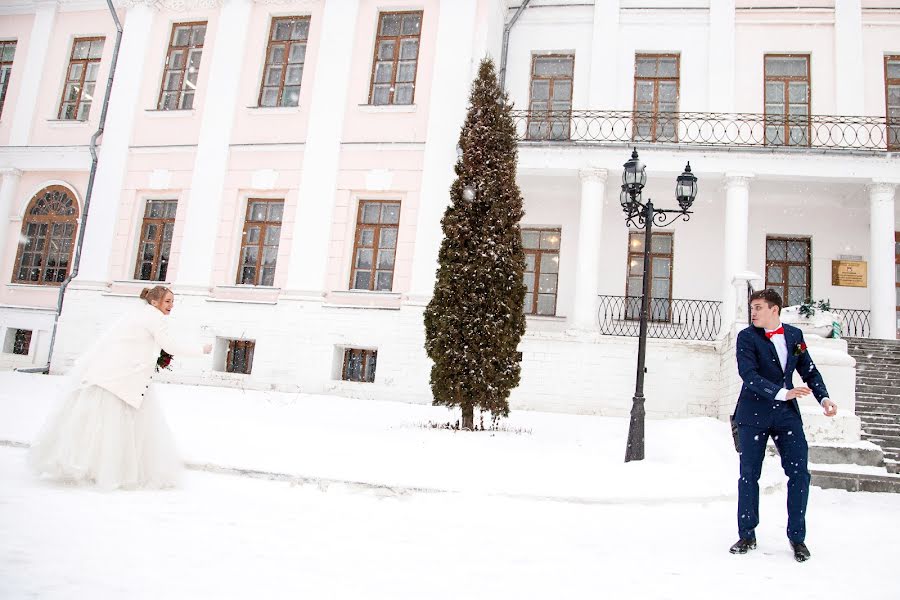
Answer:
[(164, 360), (800, 348)]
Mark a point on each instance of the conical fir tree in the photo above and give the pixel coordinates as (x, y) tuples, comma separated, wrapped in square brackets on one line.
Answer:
[(474, 321)]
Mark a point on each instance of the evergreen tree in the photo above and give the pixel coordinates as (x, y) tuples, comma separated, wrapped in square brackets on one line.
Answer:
[(474, 321)]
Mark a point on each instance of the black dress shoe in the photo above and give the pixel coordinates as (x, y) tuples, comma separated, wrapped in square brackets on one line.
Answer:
[(743, 546), (801, 552)]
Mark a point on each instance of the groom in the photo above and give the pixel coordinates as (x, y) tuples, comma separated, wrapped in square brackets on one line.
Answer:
[(768, 353)]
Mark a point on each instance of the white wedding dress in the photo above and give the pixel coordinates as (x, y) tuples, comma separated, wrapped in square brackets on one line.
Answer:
[(95, 438)]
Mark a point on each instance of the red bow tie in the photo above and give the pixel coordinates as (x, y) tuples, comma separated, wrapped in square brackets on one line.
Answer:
[(779, 331)]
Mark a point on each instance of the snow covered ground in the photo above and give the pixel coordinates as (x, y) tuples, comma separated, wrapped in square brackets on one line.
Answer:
[(547, 510)]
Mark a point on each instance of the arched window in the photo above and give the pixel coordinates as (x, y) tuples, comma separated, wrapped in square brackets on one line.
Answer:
[(48, 237)]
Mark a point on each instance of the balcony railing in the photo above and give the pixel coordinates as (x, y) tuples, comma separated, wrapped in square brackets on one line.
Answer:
[(825, 132), (854, 322), (674, 319)]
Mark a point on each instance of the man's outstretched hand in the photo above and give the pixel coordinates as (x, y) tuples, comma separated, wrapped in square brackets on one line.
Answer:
[(829, 407)]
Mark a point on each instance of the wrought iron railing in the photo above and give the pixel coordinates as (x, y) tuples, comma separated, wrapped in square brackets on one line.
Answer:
[(710, 129), (674, 319), (854, 322)]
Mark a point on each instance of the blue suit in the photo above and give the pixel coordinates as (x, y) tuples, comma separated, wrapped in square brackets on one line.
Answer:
[(758, 415)]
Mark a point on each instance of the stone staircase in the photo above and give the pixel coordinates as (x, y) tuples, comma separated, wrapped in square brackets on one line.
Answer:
[(878, 394)]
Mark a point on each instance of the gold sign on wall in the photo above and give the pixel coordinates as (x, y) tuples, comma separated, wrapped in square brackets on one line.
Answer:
[(850, 273)]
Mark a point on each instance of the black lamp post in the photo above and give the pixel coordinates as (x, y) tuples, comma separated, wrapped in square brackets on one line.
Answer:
[(643, 215)]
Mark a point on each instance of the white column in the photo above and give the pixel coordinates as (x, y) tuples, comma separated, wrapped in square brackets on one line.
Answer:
[(720, 76), (312, 226), (112, 159), (32, 71), (882, 319), (8, 187), (848, 58), (590, 221), (737, 216), (201, 222), (450, 87), (604, 56)]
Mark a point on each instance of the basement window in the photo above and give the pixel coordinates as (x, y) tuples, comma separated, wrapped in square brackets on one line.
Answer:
[(359, 365)]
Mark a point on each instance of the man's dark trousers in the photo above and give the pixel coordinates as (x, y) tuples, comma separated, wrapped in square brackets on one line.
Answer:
[(786, 429)]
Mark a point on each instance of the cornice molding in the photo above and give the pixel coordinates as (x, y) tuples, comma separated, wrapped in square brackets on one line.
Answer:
[(173, 5)]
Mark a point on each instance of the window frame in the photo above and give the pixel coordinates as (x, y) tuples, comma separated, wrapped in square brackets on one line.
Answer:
[(549, 120), (85, 63), (366, 354), (538, 253), (50, 220), (891, 125), (639, 255), (375, 244), (654, 120), (24, 343), (7, 65), (159, 241), (270, 43), (260, 245), (184, 69), (786, 121), (396, 58), (783, 287), (249, 348)]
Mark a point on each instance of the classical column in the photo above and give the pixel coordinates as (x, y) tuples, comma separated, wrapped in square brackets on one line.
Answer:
[(721, 56), (201, 222), (604, 57), (319, 172), (112, 160), (450, 85), (32, 71), (587, 274), (848, 57), (882, 299), (8, 187), (737, 212)]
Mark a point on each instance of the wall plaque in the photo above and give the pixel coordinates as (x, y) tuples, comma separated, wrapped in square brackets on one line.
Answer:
[(849, 273)]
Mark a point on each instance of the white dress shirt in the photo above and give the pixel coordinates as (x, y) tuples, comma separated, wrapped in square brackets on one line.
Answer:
[(781, 348)]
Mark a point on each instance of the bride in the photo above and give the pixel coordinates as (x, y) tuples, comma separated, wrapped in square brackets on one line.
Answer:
[(110, 431)]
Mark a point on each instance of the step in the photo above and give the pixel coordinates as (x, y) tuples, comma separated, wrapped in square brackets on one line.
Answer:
[(856, 482), (878, 420), (879, 408), (883, 431), (884, 387)]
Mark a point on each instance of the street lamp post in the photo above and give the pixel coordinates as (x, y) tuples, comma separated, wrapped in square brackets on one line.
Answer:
[(643, 215)]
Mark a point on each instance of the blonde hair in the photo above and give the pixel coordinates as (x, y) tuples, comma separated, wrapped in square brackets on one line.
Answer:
[(155, 294)]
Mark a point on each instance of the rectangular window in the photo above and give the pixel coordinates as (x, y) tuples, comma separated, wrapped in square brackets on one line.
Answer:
[(156, 240), (21, 342), (259, 244), (662, 256), (359, 365), (656, 88), (285, 57), (787, 95), (396, 57), (179, 82), (240, 356), (541, 270), (81, 79), (550, 105), (892, 100), (7, 55), (375, 246), (788, 268)]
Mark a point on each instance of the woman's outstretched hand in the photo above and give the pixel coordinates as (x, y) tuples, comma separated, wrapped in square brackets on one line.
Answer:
[(207, 348)]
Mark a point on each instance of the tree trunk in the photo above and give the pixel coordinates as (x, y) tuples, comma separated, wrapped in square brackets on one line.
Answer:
[(468, 417)]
